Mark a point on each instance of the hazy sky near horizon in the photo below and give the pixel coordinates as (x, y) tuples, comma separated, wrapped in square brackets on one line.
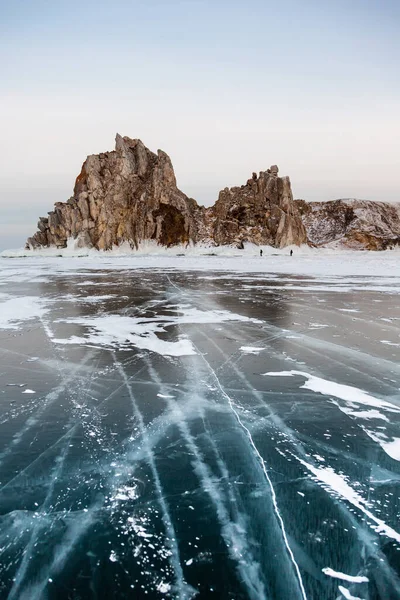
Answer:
[(224, 87)]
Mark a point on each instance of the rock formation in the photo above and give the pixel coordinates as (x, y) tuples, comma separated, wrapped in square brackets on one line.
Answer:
[(130, 195), (350, 223), (262, 211)]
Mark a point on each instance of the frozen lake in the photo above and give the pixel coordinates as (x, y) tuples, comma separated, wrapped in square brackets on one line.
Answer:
[(226, 428)]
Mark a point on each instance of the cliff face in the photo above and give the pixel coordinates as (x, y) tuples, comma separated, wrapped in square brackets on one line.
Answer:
[(262, 211), (350, 223), (127, 195), (130, 195)]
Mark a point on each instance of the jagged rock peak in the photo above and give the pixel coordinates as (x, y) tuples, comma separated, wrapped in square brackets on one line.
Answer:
[(130, 195), (127, 195), (262, 211)]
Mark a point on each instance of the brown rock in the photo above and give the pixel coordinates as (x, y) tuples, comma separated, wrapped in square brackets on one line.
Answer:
[(262, 212), (130, 195)]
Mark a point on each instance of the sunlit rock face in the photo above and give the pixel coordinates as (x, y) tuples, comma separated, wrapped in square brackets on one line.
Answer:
[(130, 195), (351, 223), (127, 195), (262, 211)]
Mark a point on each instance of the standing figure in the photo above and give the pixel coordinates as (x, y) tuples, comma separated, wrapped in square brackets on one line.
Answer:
[(291, 252), (260, 252)]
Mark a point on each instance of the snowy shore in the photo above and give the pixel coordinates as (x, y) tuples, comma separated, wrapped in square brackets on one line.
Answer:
[(305, 261)]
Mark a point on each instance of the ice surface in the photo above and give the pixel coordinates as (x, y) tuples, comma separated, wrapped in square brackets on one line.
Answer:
[(353, 396), (337, 484), (156, 459)]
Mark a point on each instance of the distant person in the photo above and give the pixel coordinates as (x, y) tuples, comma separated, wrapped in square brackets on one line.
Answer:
[(291, 253), (260, 252)]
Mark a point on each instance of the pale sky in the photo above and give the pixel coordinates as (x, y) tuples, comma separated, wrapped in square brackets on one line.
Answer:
[(224, 87)]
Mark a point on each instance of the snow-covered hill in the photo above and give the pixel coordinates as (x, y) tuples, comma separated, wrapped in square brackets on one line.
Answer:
[(358, 224)]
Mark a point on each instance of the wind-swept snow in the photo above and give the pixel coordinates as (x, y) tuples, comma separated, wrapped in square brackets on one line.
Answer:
[(143, 333), (351, 578), (15, 311)]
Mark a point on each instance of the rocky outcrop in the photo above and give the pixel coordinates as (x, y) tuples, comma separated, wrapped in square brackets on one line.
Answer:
[(130, 195), (351, 223), (262, 211)]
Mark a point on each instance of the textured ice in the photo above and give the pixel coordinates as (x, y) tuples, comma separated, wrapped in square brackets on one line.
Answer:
[(354, 396), (337, 484), (155, 460)]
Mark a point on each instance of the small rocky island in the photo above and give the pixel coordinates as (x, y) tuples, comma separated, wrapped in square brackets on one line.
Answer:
[(130, 196)]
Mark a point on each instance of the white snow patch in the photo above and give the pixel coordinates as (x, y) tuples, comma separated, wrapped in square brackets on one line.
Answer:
[(28, 391), (250, 349), (322, 263), (351, 578), (15, 311), (126, 492), (124, 332), (363, 414), (391, 447), (339, 390), (390, 343), (94, 299), (345, 592), (163, 587)]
